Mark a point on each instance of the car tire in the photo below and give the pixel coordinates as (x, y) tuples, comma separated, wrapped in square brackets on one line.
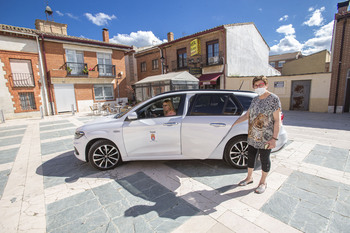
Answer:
[(236, 152), (104, 155)]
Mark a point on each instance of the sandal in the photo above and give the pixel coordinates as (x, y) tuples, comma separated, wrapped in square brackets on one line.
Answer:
[(261, 188), (244, 183)]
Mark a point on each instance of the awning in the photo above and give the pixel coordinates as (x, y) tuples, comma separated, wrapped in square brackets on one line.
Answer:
[(209, 79)]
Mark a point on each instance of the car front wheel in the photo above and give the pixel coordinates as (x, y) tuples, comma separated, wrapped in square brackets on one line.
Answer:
[(104, 155), (236, 152)]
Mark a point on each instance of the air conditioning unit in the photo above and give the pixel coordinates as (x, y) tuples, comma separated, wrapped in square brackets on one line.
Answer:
[(213, 60)]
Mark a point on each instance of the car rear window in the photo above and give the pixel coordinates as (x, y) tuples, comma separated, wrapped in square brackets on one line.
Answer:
[(245, 101)]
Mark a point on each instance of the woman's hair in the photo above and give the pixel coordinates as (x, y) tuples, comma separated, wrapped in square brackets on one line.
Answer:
[(171, 106), (258, 78)]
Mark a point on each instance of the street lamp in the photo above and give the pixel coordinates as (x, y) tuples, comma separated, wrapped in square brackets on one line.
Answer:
[(119, 77)]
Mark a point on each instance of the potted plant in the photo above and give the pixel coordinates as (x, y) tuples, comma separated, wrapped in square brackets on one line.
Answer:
[(69, 70), (85, 70)]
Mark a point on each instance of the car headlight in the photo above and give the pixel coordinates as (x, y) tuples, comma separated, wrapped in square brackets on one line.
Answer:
[(78, 134)]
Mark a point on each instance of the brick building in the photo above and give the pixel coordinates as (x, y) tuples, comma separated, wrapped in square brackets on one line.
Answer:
[(211, 55), (278, 61), (20, 76), (75, 71), (339, 99)]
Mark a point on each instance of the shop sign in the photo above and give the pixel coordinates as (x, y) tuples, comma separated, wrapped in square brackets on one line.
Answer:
[(195, 47), (195, 70)]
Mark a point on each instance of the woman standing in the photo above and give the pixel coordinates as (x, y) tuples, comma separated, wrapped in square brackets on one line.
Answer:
[(264, 116)]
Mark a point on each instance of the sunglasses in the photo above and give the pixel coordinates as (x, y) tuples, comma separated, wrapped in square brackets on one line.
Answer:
[(259, 85)]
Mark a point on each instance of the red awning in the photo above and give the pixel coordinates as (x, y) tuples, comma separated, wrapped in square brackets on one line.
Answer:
[(209, 79)]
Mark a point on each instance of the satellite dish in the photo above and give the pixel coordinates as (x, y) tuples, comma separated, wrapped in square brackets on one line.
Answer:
[(48, 10)]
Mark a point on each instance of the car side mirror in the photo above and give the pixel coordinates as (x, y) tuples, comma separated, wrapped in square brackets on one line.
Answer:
[(132, 116)]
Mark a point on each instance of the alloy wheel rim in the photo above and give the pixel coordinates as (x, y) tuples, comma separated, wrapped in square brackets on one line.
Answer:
[(105, 156), (239, 153)]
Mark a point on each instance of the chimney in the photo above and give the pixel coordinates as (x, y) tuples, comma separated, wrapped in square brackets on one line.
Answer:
[(105, 35), (170, 36), (343, 7)]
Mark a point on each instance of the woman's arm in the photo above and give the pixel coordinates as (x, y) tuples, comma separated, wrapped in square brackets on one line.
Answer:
[(276, 128), (242, 118)]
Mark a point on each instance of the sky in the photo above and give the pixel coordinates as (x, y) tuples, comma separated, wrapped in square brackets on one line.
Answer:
[(286, 26)]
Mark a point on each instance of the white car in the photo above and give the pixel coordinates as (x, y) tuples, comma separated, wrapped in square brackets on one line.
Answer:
[(201, 129)]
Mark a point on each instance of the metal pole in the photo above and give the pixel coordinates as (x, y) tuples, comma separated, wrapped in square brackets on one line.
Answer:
[(2, 116), (41, 112), (118, 91)]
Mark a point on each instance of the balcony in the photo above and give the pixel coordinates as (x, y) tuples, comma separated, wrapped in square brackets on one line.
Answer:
[(213, 59), (22, 80), (76, 69), (106, 70), (175, 66)]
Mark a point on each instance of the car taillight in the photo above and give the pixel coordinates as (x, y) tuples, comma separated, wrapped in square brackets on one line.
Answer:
[(282, 116)]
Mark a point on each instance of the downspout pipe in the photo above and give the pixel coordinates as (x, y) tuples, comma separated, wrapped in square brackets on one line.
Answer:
[(339, 66), (161, 60), (42, 76), (47, 77)]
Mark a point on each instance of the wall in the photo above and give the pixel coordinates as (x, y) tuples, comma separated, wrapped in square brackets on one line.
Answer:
[(319, 93), (9, 97), (18, 44), (147, 57), (247, 52), (314, 63), (340, 75)]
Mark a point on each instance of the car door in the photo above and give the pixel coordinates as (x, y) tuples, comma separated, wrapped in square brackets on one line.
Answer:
[(207, 122), (154, 134)]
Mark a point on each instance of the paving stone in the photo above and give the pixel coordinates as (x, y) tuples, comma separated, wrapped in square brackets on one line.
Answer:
[(76, 211), (310, 203), (213, 173), (339, 223), (328, 156), (14, 127), (96, 221), (12, 133), (56, 146), (67, 203), (58, 126), (53, 122), (56, 134), (64, 168), (4, 175), (8, 156), (107, 194), (132, 225), (10, 141)]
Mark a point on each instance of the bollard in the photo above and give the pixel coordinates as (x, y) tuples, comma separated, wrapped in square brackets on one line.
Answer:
[(73, 112), (41, 112), (2, 116)]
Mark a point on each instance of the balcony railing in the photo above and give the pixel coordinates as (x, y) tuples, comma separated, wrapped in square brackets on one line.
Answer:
[(106, 70), (213, 59), (200, 61), (23, 80), (76, 69)]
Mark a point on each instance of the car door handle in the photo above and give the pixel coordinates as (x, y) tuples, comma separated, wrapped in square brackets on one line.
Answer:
[(218, 124), (170, 123)]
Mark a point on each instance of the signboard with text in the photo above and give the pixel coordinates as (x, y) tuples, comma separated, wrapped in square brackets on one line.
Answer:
[(195, 47)]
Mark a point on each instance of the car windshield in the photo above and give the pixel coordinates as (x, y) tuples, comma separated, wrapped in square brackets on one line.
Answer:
[(125, 111)]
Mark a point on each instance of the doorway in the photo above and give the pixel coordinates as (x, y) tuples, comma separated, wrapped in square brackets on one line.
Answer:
[(300, 95), (65, 97)]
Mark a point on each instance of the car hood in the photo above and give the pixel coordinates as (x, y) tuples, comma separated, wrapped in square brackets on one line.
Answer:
[(101, 123), (102, 120)]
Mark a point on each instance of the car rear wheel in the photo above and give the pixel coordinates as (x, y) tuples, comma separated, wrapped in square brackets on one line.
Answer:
[(104, 155), (236, 152)]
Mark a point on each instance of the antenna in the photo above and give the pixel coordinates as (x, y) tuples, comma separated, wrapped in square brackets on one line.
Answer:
[(48, 12)]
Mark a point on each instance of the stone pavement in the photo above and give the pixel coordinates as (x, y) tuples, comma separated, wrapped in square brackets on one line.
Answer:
[(43, 188)]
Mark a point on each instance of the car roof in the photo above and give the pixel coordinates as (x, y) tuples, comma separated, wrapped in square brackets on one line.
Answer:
[(206, 91)]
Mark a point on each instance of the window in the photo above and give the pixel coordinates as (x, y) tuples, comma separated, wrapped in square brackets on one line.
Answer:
[(214, 104), (75, 62), (155, 108), (22, 73), (103, 92), (281, 63), (143, 66), (181, 58), (213, 52), (272, 64), (245, 101), (155, 64), (27, 100), (105, 67)]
